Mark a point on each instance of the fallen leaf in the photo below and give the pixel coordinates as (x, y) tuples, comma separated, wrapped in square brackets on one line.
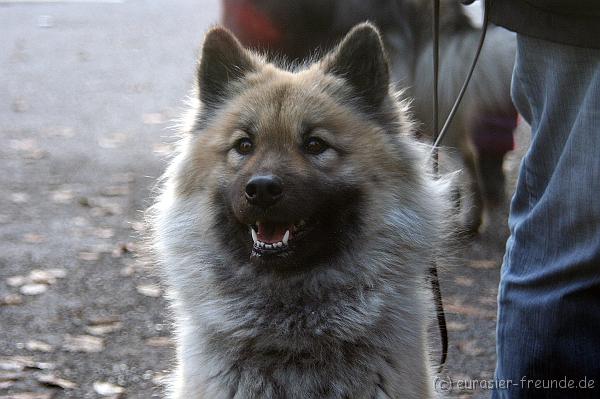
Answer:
[(11, 299), (19, 198), (20, 105), (138, 226), (62, 196), (11, 376), (103, 330), (104, 233), (6, 384), (36, 277), (492, 301), (102, 207), (84, 201), (456, 326), (16, 281), (112, 141), (100, 320), (484, 264), (115, 191), (17, 363), (464, 281), (123, 248), (128, 270), (107, 389), (88, 256), (150, 290), (153, 119), (102, 326), (12, 363), (33, 238), (33, 289), (159, 342), (28, 148), (55, 381), (163, 149), (83, 343), (38, 346), (160, 379), (27, 395), (46, 276), (469, 348)]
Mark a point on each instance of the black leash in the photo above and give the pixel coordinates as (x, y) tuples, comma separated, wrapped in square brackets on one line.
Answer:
[(438, 136)]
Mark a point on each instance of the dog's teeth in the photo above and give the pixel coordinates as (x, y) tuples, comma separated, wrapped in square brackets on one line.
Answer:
[(286, 237), (278, 244), (254, 237), (268, 246)]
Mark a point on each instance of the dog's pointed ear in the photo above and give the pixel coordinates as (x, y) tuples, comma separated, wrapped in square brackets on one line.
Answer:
[(360, 59), (223, 62)]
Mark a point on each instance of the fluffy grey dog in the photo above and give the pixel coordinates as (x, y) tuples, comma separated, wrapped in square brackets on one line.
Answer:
[(296, 227)]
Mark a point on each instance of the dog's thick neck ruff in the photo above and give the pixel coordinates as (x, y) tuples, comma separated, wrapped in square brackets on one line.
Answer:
[(296, 228)]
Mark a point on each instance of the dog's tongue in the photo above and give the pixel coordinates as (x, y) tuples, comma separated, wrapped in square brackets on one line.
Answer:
[(271, 232)]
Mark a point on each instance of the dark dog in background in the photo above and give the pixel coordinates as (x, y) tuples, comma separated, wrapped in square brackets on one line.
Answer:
[(482, 131)]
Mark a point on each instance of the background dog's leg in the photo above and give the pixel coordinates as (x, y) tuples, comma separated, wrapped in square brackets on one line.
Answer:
[(474, 212)]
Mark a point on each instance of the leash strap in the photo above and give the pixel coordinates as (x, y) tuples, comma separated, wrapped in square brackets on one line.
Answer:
[(438, 136)]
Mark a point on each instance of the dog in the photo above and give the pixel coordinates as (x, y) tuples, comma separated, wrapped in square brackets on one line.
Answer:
[(296, 226), (482, 131)]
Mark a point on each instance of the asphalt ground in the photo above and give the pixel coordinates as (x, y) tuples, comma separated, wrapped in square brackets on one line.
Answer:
[(88, 95)]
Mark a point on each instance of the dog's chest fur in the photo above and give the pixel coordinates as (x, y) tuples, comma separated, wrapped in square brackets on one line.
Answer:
[(283, 345)]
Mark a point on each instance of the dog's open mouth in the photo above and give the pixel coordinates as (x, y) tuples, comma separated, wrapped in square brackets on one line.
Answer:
[(275, 237)]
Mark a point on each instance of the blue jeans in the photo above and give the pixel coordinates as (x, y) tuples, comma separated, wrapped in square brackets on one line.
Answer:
[(549, 295)]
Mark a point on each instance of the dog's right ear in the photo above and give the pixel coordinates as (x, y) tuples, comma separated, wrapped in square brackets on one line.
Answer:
[(360, 59), (223, 62)]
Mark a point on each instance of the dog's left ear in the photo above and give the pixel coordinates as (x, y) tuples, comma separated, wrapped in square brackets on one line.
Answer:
[(360, 59)]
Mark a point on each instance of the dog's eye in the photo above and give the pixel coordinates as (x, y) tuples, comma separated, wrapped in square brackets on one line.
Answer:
[(244, 146), (315, 146)]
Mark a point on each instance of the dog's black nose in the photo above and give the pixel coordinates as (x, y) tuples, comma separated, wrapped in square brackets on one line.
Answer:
[(264, 191)]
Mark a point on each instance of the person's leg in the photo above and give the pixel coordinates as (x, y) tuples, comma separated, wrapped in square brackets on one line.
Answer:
[(549, 296)]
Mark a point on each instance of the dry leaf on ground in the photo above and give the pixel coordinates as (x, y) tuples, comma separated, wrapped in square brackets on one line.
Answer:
[(107, 389), (33, 289), (19, 363), (464, 281), (11, 299), (83, 343), (485, 264), (38, 346), (103, 325), (150, 290), (55, 381), (28, 395), (115, 191), (159, 342), (33, 238)]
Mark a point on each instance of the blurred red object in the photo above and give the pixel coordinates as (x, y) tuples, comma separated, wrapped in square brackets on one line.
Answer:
[(252, 25), (288, 28)]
